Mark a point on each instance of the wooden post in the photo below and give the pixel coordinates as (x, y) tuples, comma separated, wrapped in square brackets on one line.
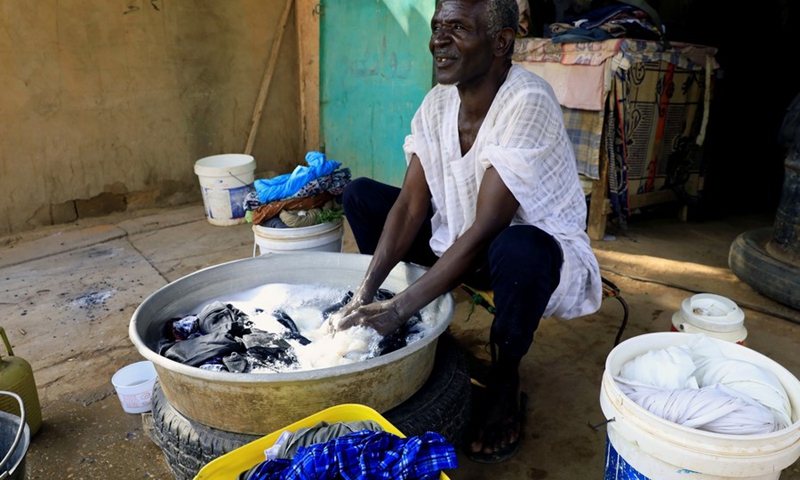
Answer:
[(307, 16), (264, 90), (596, 228)]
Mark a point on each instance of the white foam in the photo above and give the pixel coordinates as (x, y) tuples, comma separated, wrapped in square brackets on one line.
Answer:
[(304, 304)]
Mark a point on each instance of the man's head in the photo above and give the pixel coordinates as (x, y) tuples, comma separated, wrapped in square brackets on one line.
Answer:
[(502, 14), (468, 37)]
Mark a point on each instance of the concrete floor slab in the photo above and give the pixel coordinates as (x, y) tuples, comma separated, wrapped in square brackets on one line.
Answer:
[(68, 315), (74, 333), (176, 251)]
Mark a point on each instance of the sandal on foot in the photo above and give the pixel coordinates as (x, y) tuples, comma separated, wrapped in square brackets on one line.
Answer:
[(511, 449)]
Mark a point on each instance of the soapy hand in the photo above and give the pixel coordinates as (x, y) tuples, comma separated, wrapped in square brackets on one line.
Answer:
[(381, 316), (335, 318)]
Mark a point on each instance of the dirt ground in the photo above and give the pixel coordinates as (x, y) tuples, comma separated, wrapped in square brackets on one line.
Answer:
[(68, 294)]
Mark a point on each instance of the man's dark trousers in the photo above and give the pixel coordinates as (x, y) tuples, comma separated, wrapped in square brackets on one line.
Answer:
[(522, 264)]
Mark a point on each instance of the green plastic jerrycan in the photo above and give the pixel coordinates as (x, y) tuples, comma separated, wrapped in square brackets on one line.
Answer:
[(16, 375)]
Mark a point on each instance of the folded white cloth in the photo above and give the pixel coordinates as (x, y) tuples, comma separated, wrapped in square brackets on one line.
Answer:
[(696, 385), (668, 368), (748, 379), (715, 409)]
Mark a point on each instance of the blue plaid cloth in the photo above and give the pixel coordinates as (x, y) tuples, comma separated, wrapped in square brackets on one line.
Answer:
[(585, 130), (365, 455)]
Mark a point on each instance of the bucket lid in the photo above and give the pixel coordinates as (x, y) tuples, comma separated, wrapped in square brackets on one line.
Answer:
[(712, 312), (735, 336)]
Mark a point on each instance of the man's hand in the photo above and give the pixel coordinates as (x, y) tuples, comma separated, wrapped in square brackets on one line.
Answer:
[(359, 299), (382, 316)]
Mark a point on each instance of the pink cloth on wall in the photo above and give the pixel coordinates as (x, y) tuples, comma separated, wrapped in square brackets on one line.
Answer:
[(576, 71), (576, 86)]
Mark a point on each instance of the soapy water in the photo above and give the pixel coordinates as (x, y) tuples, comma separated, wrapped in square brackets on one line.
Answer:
[(304, 304)]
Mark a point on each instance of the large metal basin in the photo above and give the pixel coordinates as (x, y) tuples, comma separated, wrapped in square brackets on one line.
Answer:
[(262, 403)]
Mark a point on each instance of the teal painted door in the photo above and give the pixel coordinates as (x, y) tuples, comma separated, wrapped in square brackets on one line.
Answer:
[(375, 69)]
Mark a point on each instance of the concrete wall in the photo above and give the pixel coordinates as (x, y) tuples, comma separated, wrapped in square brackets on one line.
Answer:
[(106, 105)]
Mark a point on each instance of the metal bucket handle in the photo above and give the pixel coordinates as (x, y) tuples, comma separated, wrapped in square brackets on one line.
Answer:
[(5, 473)]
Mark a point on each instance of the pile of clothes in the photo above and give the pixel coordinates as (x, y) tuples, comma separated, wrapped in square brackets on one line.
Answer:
[(360, 449), (308, 196), (223, 338), (613, 21)]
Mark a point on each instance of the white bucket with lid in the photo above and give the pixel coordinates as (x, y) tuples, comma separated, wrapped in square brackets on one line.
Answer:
[(642, 446), (134, 385), (225, 180), (323, 237), (712, 315)]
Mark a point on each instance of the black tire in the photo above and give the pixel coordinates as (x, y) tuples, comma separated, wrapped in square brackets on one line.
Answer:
[(750, 261), (188, 445), (442, 405)]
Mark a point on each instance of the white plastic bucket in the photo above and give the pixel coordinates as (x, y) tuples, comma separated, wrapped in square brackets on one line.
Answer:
[(134, 385), (224, 182), (641, 445), (712, 315), (324, 237)]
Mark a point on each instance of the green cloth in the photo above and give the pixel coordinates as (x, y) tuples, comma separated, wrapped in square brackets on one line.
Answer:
[(308, 217), (319, 433)]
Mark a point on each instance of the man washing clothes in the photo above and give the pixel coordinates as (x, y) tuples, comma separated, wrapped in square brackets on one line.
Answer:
[(491, 198)]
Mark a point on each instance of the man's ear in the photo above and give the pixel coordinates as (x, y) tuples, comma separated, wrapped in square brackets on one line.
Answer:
[(503, 42)]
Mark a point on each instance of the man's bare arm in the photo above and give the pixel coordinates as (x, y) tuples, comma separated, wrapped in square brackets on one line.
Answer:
[(401, 228), (495, 209)]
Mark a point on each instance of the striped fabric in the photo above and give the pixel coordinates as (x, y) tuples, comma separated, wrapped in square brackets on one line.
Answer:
[(585, 130)]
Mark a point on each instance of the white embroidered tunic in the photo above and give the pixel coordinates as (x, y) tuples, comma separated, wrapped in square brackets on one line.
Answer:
[(524, 139)]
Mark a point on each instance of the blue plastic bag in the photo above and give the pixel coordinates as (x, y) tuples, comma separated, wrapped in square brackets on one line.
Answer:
[(286, 185)]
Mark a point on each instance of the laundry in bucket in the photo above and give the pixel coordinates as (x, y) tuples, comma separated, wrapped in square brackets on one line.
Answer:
[(309, 195), (288, 185), (278, 328), (640, 444), (696, 385)]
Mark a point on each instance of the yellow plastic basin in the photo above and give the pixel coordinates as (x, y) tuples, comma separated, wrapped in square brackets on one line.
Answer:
[(230, 465)]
